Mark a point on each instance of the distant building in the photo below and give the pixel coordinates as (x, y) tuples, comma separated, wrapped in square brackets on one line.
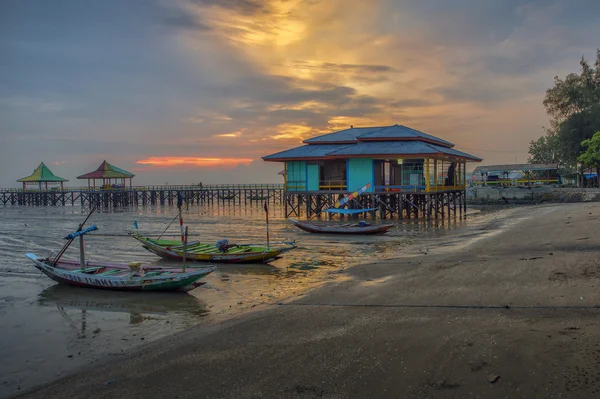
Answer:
[(517, 174), (391, 158)]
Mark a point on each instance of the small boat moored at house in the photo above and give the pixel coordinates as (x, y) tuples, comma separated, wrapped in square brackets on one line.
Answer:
[(361, 227), (348, 228)]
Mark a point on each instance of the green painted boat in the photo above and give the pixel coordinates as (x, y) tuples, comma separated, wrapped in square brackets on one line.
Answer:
[(205, 252)]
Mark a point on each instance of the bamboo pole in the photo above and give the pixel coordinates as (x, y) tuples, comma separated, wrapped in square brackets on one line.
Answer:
[(81, 252), (267, 224), (185, 242), (427, 183)]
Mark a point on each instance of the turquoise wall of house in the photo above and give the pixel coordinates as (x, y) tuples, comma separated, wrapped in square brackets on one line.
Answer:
[(360, 172), (312, 177), (296, 172)]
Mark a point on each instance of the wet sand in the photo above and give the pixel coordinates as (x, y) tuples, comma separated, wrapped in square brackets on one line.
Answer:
[(507, 310), (48, 331)]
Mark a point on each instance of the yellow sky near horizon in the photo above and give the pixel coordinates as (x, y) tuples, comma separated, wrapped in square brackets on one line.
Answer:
[(314, 45)]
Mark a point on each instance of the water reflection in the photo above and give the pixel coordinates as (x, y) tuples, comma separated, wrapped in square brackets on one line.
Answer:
[(135, 303)]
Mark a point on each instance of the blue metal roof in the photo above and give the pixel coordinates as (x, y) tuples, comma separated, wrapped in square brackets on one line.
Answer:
[(386, 141), (398, 148), (307, 151), (401, 132), (378, 132), (384, 148), (362, 148), (343, 135), (453, 152)]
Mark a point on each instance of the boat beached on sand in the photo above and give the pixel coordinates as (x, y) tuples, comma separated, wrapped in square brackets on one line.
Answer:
[(222, 252), (129, 277)]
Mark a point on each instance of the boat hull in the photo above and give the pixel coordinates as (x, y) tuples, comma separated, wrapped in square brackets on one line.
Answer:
[(194, 252), (323, 229), (171, 280)]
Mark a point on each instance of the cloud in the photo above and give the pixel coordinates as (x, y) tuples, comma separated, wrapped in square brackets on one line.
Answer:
[(37, 104), (243, 7), (174, 162), (179, 19), (330, 66), (232, 134)]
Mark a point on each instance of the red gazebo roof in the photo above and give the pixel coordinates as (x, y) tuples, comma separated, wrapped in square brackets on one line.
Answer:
[(107, 171)]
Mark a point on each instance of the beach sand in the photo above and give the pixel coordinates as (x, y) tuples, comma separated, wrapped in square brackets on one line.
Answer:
[(505, 309)]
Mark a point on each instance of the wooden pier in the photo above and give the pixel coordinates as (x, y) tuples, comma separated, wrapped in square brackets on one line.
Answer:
[(238, 194), (430, 205)]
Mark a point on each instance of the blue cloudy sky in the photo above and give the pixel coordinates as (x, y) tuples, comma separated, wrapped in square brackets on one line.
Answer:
[(182, 91)]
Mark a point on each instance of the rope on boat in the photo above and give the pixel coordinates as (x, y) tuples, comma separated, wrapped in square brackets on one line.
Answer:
[(167, 228)]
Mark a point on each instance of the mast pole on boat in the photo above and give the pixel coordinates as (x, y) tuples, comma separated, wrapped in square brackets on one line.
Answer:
[(185, 241), (179, 205), (64, 248), (81, 250), (267, 224)]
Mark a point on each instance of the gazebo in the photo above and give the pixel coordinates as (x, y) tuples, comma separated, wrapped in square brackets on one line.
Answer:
[(41, 176), (110, 175)]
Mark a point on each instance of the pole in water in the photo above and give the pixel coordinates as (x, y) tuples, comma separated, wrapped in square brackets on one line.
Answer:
[(181, 224), (179, 205), (267, 223), (81, 250)]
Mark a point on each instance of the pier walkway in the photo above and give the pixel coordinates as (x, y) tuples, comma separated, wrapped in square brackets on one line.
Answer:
[(231, 194)]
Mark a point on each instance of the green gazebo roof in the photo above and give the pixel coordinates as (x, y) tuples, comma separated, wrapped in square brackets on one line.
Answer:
[(41, 174)]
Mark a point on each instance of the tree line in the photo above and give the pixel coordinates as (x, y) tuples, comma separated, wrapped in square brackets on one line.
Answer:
[(573, 139)]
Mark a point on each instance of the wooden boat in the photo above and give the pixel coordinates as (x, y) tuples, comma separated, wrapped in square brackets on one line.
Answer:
[(350, 228), (129, 277), (361, 227), (204, 252)]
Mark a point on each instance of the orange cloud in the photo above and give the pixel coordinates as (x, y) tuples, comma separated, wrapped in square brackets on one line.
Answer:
[(232, 134), (173, 162)]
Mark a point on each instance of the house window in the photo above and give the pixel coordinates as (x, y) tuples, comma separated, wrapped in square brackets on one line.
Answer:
[(405, 174), (332, 175)]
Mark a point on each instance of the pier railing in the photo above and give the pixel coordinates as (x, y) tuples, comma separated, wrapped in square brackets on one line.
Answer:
[(167, 187), (230, 194)]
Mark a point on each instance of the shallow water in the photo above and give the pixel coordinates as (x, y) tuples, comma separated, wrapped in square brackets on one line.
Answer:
[(47, 330)]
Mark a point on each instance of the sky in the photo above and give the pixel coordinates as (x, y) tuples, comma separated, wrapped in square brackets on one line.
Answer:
[(187, 91)]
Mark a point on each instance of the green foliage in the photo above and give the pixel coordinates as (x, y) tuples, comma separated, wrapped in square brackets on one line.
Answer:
[(576, 129), (573, 105), (544, 149), (591, 156)]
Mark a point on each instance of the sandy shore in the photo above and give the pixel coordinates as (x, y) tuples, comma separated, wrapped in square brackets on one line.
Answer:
[(506, 309)]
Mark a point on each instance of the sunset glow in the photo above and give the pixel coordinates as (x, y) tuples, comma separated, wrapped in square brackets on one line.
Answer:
[(171, 162)]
